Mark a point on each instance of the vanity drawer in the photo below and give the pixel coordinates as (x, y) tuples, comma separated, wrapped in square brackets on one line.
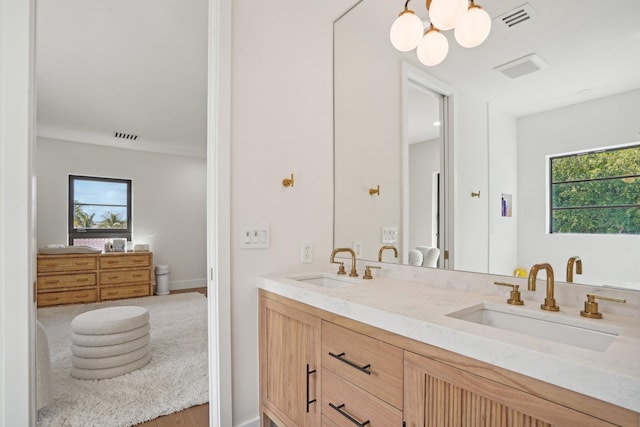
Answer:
[(67, 297), (120, 292), (125, 276), (108, 261), (341, 400), (66, 263), (343, 351), (66, 281)]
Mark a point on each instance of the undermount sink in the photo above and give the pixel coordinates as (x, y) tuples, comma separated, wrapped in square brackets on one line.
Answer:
[(580, 333), (326, 280)]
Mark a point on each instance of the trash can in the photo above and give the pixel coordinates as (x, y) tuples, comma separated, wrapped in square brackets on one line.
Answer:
[(162, 280)]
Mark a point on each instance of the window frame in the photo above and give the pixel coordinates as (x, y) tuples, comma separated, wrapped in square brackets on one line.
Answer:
[(121, 233), (550, 184)]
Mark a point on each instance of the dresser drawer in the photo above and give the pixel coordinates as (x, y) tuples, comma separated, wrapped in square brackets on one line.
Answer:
[(343, 351), (125, 276), (67, 297), (120, 292), (66, 281), (67, 263), (125, 260), (346, 405)]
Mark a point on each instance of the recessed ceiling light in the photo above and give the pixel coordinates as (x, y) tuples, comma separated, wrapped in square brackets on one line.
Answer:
[(586, 91), (436, 123)]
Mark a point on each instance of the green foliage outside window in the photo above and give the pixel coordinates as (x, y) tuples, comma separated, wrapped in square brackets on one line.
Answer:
[(596, 192)]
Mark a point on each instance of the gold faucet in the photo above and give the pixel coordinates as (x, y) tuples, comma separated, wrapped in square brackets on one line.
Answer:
[(353, 272), (570, 262), (549, 301), (395, 252)]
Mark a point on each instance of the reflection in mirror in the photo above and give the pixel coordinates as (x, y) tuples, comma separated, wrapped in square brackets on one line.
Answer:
[(422, 167), (500, 136)]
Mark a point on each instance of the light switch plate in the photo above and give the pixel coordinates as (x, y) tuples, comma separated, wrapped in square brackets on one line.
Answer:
[(254, 237), (389, 234)]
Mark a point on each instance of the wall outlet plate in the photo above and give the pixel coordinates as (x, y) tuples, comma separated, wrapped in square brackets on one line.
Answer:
[(306, 254), (357, 248)]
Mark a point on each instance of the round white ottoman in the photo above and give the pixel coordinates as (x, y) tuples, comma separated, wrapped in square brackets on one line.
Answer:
[(109, 342)]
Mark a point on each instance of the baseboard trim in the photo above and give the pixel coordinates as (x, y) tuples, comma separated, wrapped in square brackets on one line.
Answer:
[(185, 284), (251, 423)]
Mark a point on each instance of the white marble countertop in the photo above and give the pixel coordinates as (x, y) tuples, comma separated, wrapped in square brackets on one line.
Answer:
[(419, 311)]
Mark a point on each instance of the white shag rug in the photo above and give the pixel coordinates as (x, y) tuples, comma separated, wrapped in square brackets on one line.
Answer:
[(176, 378)]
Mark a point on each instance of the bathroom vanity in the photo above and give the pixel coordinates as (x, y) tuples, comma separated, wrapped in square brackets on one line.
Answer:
[(336, 351)]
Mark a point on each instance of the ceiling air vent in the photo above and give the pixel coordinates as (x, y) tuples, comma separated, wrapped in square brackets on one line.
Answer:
[(127, 136), (519, 15), (522, 66)]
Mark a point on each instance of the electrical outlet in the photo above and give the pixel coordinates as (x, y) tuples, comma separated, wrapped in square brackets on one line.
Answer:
[(306, 256), (357, 248)]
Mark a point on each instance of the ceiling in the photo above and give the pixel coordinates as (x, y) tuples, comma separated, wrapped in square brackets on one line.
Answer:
[(140, 67), (132, 66)]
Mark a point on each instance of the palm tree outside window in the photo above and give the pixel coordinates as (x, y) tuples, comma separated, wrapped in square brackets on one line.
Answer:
[(99, 210)]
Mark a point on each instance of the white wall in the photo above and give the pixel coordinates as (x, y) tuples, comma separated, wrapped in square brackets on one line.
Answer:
[(470, 151), (607, 259), (503, 178), (281, 124), (168, 192), (368, 137)]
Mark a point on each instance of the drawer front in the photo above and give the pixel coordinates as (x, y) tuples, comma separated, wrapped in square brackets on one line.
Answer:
[(66, 281), (68, 297), (125, 276), (344, 351), (67, 263), (120, 292), (125, 261), (346, 405)]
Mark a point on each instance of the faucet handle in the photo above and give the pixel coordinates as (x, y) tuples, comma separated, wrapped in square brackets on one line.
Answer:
[(341, 269), (514, 298), (591, 306), (367, 271)]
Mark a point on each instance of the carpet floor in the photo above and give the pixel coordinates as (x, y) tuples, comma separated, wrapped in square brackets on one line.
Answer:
[(176, 377)]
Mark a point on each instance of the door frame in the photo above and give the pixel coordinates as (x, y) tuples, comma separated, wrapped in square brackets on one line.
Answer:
[(17, 207)]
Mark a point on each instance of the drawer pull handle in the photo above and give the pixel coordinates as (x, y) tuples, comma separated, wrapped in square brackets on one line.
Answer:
[(341, 358), (138, 275), (52, 282), (82, 280), (309, 402), (347, 416), (82, 263)]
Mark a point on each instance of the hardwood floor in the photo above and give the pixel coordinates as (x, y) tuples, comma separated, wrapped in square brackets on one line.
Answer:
[(196, 416)]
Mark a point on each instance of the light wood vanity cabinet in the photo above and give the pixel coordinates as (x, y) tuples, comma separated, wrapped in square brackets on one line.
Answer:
[(289, 365), (85, 278), (410, 382), (361, 379)]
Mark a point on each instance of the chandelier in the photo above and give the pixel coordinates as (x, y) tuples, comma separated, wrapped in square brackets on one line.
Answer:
[(470, 24)]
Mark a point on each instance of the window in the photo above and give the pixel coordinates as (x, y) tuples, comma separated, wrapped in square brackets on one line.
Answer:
[(596, 192), (99, 210)]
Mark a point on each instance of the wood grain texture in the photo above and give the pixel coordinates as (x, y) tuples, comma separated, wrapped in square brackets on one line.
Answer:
[(357, 403), (196, 416), (453, 397), (289, 343), (502, 378), (385, 380), (73, 279)]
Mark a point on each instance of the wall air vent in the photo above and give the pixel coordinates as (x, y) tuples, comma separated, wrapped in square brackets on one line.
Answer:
[(522, 66), (127, 136), (517, 16)]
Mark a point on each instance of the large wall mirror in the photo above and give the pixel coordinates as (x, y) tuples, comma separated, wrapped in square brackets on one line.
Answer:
[(455, 157)]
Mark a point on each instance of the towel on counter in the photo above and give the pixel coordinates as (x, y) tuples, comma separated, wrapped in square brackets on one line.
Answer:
[(415, 257)]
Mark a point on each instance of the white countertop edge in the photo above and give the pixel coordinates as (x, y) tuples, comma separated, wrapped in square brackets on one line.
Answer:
[(599, 383)]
